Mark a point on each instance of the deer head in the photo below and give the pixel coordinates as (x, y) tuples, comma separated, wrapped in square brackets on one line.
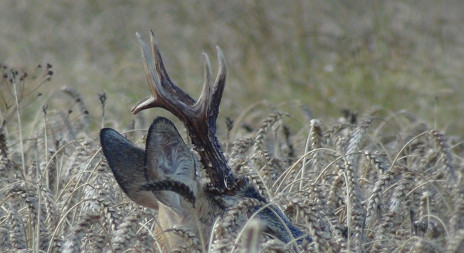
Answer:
[(166, 175)]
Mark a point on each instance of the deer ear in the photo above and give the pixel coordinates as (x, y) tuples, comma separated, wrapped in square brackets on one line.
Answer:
[(168, 158), (127, 163)]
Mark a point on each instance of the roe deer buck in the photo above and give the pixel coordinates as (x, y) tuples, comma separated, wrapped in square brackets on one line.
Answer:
[(166, 177)]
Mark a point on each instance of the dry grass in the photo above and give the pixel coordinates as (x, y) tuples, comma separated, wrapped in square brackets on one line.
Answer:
[(369, 184), (386, 181)]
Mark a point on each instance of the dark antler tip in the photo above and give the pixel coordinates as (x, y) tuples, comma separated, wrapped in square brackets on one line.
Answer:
[(153, 39)]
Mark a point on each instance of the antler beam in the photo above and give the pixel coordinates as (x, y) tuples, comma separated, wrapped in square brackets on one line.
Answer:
[(199, 117)]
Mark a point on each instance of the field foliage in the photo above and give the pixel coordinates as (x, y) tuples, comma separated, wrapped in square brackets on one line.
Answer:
[(347, 116)]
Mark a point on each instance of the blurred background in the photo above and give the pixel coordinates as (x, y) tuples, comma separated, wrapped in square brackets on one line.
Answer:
[(325, 56)]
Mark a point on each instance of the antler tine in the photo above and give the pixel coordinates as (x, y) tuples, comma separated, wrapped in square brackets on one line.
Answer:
[(150, 101), (164, 93), (207, 105), (201, 106), (207, 110), (166, 82), (198, 117), (158, 60), (218, 89)]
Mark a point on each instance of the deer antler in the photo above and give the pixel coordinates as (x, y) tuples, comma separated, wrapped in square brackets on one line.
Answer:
[(199, 117)]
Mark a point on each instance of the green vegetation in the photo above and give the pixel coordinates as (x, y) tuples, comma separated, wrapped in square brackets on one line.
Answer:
[(329, 55)]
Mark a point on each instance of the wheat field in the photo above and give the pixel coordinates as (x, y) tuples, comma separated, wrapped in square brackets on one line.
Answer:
[(384, 175)]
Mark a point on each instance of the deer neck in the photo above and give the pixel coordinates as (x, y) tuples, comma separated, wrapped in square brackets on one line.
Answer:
[(193, 220)]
